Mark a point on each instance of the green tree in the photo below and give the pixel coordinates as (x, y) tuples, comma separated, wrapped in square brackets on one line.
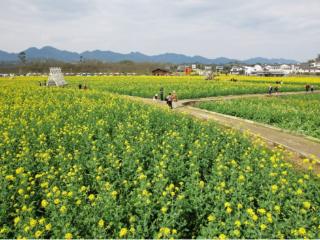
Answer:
[(22, 57)]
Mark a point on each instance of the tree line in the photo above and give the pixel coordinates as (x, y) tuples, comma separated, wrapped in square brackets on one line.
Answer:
[(87, 66)]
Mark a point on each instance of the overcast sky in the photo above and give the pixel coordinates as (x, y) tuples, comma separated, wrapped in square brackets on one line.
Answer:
[(211, 28)]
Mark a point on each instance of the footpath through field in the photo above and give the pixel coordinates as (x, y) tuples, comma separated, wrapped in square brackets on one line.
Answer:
[(299, 146)]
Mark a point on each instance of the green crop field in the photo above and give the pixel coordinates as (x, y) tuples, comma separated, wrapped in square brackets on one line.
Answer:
[(298, 113)]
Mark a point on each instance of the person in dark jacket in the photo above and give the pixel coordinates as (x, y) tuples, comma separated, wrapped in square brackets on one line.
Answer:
[(161, 94), (169, 100)]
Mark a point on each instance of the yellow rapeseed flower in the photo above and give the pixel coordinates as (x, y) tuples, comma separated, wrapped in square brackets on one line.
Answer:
[(164, 210), (44, 203), (263, 227), (165, 231), (33, 222), (306, 205), (101, 223), (10, 177), (48, 227), (19, 170), (211, 218), (38, 234), (274, 188), (123, 232), (229, 210), (262, 211), (237, 223), (42, 220), (16, 220), (241, 178), (302, 231), (114, 194), (254, 217), (68, 236), (63, 209), (299, 191), (222, 236), (91, 197), (277, 208)]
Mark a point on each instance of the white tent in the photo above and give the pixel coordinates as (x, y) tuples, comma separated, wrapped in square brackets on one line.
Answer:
[(56, 77)]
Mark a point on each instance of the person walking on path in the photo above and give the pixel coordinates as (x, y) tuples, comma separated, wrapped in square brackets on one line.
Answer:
[(307, 88), (155, 97), (276, 89), (174, 99), (161, 93), (169, 100), (270, 90), (312, 88)]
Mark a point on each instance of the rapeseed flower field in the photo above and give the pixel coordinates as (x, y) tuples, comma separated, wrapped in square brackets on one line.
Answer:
[(92, 164), (187, 87)]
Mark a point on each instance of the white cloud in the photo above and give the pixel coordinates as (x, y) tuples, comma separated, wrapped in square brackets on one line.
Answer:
[(212, 28)]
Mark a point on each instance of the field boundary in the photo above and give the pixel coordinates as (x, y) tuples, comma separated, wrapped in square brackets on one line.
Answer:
[(188, 102)]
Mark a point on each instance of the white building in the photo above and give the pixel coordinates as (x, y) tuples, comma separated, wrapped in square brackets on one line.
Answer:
[(236, 70), (315, 64)]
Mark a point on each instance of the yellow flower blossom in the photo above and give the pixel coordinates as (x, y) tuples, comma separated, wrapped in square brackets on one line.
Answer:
[(91, 197), (16, 220), (48, 227), (44, 203), (164, 210), (211, 218), (302, 231), (222, 236), (63, 209), (263, 227), (306, 205), (68, 236), (38, 234), (123, 232), (33, 222), (19, 170), (101, 223)]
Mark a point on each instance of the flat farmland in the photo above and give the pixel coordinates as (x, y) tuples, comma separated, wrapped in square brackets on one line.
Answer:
[(94, 164)]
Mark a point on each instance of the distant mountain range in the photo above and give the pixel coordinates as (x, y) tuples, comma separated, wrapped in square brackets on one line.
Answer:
[(108, 56)]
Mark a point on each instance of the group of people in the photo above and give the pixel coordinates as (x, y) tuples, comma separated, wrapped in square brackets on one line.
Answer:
[(275, 89), (44, 83), (170, 99), (309, 87), (84, 87)]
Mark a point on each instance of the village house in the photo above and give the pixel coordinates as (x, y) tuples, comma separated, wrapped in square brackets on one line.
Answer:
[(161, 72)]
